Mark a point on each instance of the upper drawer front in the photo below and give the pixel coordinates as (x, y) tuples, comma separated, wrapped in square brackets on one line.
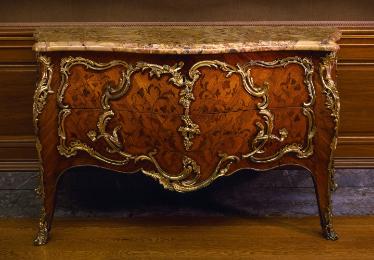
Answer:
[(216, 92), (209, 86), (85, 88)]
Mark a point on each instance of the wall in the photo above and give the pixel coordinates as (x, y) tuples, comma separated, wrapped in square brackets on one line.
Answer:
[(185, 10)]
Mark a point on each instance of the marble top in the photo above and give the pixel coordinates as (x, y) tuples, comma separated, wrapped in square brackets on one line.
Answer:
[(186, 39)]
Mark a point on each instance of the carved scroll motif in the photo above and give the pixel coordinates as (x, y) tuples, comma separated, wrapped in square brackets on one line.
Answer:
[(42, 91), (332, 103), (188, 178)]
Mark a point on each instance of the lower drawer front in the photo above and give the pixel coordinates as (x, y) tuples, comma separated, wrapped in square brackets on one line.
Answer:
[(111, 136)]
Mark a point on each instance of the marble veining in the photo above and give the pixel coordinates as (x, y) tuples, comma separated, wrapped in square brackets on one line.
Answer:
[(187, 39)]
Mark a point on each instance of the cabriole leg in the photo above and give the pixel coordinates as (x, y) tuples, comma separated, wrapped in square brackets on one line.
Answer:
[(322, 183), (47, 192)]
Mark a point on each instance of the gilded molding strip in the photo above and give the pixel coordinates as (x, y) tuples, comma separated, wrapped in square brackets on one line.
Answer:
[(40, 99), (187, 179)]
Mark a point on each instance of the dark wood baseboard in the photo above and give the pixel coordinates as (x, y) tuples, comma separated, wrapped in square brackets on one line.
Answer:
[(16, 166)]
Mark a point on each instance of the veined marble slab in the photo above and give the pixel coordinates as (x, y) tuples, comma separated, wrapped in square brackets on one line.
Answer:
[(187, 39)]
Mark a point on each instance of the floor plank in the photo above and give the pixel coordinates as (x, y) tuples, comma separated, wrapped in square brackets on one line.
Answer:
[(188, 237)]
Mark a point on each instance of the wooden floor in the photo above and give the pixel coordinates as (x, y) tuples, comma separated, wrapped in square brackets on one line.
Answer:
[(186, 238)]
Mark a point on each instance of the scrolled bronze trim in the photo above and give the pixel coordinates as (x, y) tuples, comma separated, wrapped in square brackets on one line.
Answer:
[(187, 179), (327, 65), (333, 104), (265, 133), (41, 93), (42, 235), (42, 90)]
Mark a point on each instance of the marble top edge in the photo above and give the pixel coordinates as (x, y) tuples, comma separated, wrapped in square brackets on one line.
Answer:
[(186, 39)]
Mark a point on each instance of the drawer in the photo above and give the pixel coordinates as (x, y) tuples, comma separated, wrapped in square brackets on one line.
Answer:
[(214, 92), (214, 88), (107, 135)]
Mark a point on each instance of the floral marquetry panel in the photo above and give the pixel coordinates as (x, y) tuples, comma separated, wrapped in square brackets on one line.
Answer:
[(135, 109), (145, 95), (183, 117)]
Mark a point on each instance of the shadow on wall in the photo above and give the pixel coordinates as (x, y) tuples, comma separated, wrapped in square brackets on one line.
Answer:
[(94, 191), (89, 191)]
